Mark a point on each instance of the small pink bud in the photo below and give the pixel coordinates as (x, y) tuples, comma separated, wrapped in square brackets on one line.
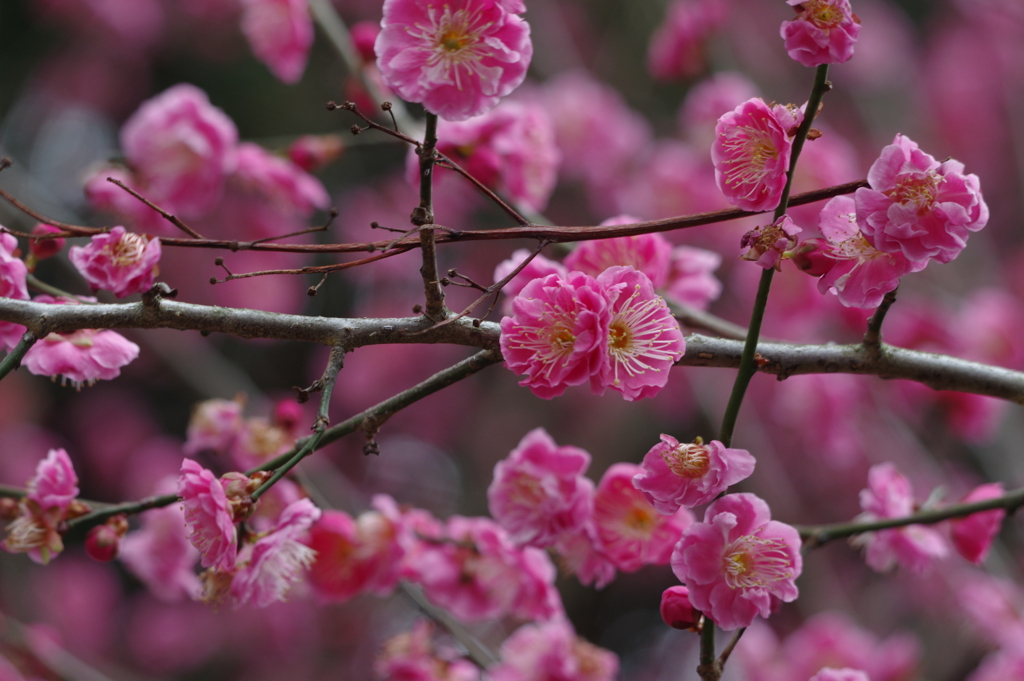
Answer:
[(41, 249), (809, 257), (312, 152), (103, 542), (677, 611), (973, 535), (288, 415), (364, 35)]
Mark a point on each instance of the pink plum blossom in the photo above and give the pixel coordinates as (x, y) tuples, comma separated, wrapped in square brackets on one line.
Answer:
[(676, 49), (552, 651), (81, 357), (690, 277), (643, 339), (55, 484), (580, 553), (917, 206), (538, 492), (161, 556), (751, 154), (557, 335), (280, 182), (738, 563), (861, 274), (280, 33), (50, 500), (411, 656), (13, 275), (214, 424), (768, 245), (676, 609), (120, 261), (181, 148), (629, 531), (706, 101), (889, 495), (678, 475), (268, 569), (537, 268), (844, 674), (457, 58), (105, 196), (208, 516), (823, 32), (973, 535), (647, 253)]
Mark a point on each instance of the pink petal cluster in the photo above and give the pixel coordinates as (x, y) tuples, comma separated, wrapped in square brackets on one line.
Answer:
[(181, 148), (13, 275), (120, 261), (411, 656), (647, 253), (214, 424), (538, 492), (768, 245), (267, 569), (208, 516), (691, 278), (972, 535), (458, 57), (81, 357), (49, 502), (683, 475), (552, 651), (676, 49), (889, 495), (161, 556), (280, 33), (823, 32), (511, 149), (278, 181), (55, 484), (738, 563), (537, 268), (751, 153), (917, 206)]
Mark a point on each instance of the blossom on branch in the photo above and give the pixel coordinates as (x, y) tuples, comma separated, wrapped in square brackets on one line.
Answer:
[(457, 57), (13, 275), (973, 535), (738, 563), (49, 502), (823, 32), (208, 516), (552, 651), (683, 475), (120, 261), (280, 33)]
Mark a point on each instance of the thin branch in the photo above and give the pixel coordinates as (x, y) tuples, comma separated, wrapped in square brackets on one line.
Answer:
[(480, 654), (730, 646), (423, 218), (817, 535), (487, 191), (13, 358), (699, 319), (164, 214), (873, 337), (312, 269)]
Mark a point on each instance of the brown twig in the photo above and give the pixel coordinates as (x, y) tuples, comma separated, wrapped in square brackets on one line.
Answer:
[(164, 214)]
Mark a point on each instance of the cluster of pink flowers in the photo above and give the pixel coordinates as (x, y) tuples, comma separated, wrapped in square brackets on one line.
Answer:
[(119, 261), (823, 32), (552, 651), (458, 57), (751, 153), (412, 656), (613, 331), (50, 501), (217, 426)]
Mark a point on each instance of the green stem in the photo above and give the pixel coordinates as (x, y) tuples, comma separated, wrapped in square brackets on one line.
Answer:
[(13, 359)]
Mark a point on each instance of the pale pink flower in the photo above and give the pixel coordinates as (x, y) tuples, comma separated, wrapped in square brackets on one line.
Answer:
[(647, 253), (861, 274), (629, 530), (181, 148), (457, 58), (643, 340), (767, 245), (557, 335), (81, 357), (537, 652), (280, 33), (120, 261), (539, 491), (738, 563), (751, 154), (258, 441), (676, 609), (917, 206), (161, 556), (282, 183), (268, 569), (537, 599), (313, 152), (973, 535), (685, 475), (13, 275), (676, 49), (411, 656), (823, 32), (105, 196), (706, 101), (845, 674), (579, 553), (690, 276), (55, 483), (889, 495), (214, 425), (208, 517), (538, 268)]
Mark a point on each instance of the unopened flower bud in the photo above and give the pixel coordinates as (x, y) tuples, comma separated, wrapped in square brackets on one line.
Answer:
[(767, 244), (9, 509), (103, 543), (364, 35), (810, 257), (287, 415), (312, 152), (677, 611), (41, 249)]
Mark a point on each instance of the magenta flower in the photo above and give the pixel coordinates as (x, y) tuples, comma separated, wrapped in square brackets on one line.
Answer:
[(738, 563), (411, 656), (678, 475), (647, 253), (917, 206), (120, 261), (268, 569), (458, 57), (628, 529), (973, 535), (557, 335), (889, 495), (643, 341), (13, 275), (861, 274), (81, 357), (552, 651), (751, 154), (181, 148), (208, 516), (676, 609), (845, 674), (539, 492), (823, 32), (280, 33), (55, 483), (51, 492)]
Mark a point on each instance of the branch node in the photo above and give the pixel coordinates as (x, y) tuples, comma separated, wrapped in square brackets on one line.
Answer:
[(160, 290)]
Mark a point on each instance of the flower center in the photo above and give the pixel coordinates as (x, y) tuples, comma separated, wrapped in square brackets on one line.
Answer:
[(454, 41), (823, 14), (688, 460), (752, 562), (127, 250), (918, 190), (634, 336), (751, 149)]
